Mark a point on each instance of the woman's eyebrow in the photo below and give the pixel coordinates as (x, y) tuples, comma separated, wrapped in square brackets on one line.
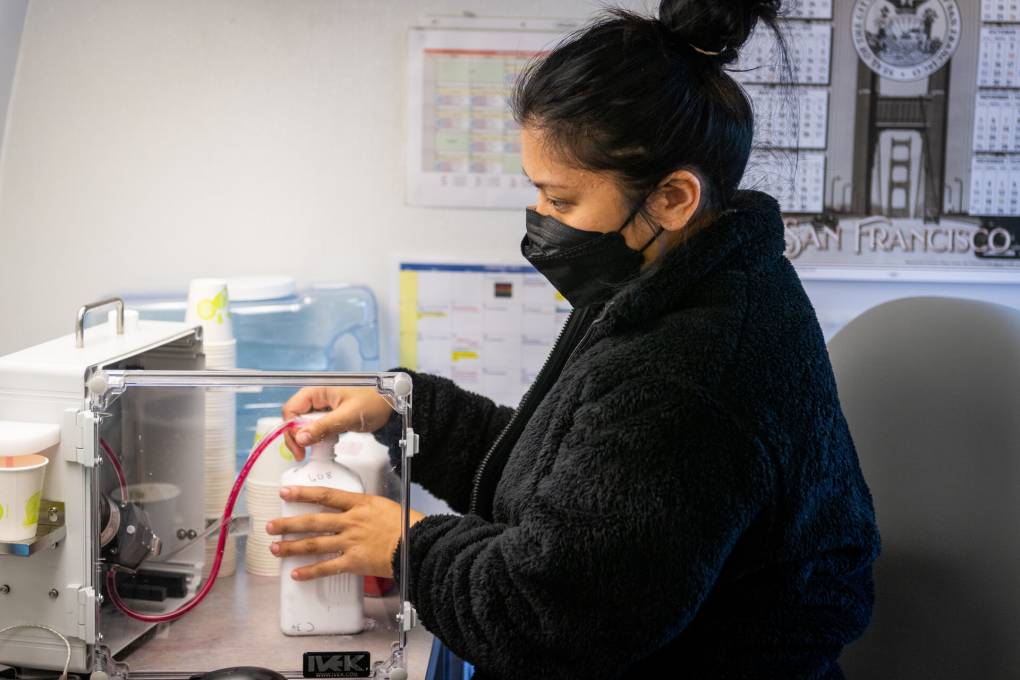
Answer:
[(543, 185)]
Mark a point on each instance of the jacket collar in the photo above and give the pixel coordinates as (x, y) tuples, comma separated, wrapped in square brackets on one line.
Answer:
[(747, 236)]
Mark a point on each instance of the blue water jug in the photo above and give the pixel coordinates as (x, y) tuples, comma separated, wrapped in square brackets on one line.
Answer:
[(323, 327)]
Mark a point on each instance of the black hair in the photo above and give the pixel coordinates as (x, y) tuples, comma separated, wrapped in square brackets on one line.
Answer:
[(641, 96)]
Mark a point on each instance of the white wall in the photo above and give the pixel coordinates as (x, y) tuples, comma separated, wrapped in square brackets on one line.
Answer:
[(150, 142), (12, 19)]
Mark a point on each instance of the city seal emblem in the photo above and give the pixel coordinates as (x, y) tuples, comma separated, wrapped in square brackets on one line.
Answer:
[(906, 39)]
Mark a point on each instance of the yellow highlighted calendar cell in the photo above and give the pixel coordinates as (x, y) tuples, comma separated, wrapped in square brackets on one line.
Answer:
[(409, 319)]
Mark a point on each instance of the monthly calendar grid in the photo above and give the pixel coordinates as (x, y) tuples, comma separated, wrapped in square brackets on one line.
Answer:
[(995, 185), (808, 9), (790, 118), (995, 165), (997, 121), (1000, 11), (810, 51), (791, 123), (796, 180), (999, 59)]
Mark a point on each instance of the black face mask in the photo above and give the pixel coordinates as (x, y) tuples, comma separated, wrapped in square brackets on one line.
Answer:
[(586, 267)]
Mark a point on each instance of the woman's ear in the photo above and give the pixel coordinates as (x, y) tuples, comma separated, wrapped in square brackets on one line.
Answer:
[(676, 200)]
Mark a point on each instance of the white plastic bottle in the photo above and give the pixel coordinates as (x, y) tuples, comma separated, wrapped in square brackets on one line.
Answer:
[(367, 458), (324, 606)]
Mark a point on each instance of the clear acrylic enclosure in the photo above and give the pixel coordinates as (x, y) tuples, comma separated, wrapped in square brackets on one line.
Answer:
[(161, 493)]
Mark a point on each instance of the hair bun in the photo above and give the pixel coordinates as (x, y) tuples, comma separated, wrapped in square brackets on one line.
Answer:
[(711, 26)]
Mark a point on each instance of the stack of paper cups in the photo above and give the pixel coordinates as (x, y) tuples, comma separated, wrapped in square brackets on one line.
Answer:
[(208, 308), (263, 497), (220, 471)]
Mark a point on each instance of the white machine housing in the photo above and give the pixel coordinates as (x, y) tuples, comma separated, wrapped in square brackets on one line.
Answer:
[(58, 586), (158, 428)]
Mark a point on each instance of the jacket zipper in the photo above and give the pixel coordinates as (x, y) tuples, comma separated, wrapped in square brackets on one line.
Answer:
[(541, 378)]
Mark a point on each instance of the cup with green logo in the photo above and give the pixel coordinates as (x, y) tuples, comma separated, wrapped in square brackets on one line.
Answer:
[(209, 307), (21, 485)]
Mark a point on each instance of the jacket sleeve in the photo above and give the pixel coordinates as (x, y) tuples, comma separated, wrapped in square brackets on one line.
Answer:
[(613, 554), (456, 427)]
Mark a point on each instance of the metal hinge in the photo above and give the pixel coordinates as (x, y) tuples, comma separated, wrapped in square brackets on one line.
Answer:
[(82, 611), (410, 451), (83, 450), (408, 617)]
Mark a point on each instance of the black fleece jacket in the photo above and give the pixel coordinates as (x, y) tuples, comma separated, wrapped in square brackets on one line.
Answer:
[(685, 501)]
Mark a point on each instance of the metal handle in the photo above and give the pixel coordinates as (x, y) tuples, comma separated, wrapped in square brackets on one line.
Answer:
[(79, 324)]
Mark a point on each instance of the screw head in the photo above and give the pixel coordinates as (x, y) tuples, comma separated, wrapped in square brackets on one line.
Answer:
[(4, 589), (54, 593)]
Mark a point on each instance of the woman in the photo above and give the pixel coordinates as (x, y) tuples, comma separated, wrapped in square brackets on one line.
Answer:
[(678, 493)]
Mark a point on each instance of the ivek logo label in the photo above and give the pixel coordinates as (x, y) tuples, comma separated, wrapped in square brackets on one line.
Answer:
[(337, 665)]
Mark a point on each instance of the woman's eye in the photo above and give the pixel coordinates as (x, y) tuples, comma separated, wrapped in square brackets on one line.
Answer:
[(558, 206)]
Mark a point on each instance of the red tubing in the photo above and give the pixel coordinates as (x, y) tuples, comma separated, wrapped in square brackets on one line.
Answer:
[(117, 468), (111, 580)]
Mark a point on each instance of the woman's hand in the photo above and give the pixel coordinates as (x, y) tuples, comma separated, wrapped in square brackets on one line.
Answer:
[(351, 409), (366, 533)]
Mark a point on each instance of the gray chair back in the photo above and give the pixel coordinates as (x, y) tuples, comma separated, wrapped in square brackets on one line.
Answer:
[(931, 391)]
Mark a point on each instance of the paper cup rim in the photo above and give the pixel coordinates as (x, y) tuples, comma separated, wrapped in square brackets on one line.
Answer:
[(259, 484), (37, 461)]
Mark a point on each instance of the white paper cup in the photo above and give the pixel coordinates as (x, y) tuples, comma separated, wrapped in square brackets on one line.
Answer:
[(258, 559), (219, 474), (208, 306), (229, 564), (220, 402), (220, 449), (265, 425), (276, 459), (21, 485), (220, 355), (261, 512), (261, 509), (264, 490)]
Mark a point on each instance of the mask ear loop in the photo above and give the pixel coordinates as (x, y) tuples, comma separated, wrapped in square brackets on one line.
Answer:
[(634, 213)]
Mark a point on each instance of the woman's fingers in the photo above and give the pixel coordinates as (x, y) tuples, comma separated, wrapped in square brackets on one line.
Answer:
[(367, 531), (305, 400), (349, 410), (309, 399), (313, 545), (295, 448), (318, 523), (331, 498), (337, 422), (337, 565)]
